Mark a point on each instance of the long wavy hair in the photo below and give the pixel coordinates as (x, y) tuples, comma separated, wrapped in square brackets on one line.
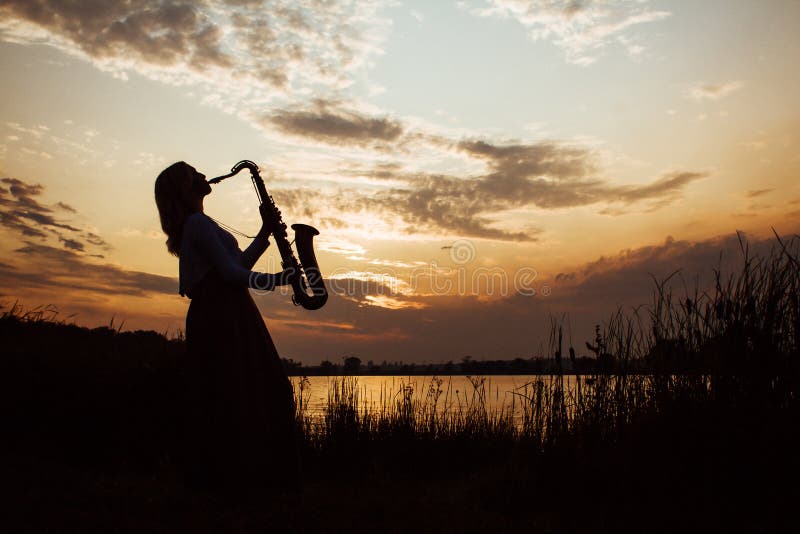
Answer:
[(174, 200)]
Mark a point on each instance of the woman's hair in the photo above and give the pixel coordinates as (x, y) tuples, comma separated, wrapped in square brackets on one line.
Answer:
[(173, 198)]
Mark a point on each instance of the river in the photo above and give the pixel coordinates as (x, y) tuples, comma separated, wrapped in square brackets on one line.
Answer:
[(499, 392)]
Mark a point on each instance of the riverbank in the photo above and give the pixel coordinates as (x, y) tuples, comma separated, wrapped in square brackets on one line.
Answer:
[(682, 476)]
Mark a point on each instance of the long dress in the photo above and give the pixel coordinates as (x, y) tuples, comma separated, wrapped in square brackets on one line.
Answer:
[(240, 428)]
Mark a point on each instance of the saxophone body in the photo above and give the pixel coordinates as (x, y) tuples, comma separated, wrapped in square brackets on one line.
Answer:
[(304, 275)]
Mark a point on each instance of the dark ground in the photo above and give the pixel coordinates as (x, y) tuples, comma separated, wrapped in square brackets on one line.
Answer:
[(703, 473), (90, 418)]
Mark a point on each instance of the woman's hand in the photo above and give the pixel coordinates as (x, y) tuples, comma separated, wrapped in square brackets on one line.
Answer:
[(266, 221), (285, 277)]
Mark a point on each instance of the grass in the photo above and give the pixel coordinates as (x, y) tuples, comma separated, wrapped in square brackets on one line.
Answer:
[(693, 426)]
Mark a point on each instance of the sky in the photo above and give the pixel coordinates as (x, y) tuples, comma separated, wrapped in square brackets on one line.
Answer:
[(476, 169)]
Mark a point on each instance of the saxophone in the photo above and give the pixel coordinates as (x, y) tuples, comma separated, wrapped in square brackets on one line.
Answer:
[(303, 275)]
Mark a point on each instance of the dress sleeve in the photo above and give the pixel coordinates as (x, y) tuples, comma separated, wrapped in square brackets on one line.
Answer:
[(253, 252), (204, 236)]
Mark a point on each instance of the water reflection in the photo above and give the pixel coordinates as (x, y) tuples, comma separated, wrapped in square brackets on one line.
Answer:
[(447, 394)]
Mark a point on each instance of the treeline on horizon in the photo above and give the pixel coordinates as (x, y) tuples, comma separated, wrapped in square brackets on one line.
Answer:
[(541, 365), (39, 331)]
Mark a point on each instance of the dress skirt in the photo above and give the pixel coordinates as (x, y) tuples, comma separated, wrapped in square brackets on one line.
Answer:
[(239, 429)]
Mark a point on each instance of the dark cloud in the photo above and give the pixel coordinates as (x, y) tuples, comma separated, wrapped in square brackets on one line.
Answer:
[(284, 44), (450, 327), (627, 279), (65, 207), (665, 188), (546, 175), (429, 328), (45, 267), (21, 212), (757, 192), (549, 175), (381, 171), (263, 41), (447, 204), (522, 160), (245, 3), (95, 239), (72, 244), (152, 31), (542, 175), (573, 7), (325, 122)]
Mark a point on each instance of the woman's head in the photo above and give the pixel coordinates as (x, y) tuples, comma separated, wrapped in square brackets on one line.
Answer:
[(179, 192)]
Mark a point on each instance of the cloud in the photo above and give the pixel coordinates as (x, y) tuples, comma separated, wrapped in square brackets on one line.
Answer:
[(324, 122), (66, 207), (445, 327), (21, 212), (464, 206), (375, 316), (340, 246), (757, 192), (580, 28), (43, 266), (626, 279), (75, 284), (544, 175), (665, 188), (244, 52), (151, 32), (712, 91)]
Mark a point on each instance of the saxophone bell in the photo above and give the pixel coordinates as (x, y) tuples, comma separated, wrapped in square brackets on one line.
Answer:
[(304, 275), (311, 279)]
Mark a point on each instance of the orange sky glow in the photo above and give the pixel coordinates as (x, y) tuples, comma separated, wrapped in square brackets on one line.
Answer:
[(475, 168)]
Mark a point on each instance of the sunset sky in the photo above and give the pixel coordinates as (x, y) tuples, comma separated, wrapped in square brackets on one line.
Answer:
[(474, 167)]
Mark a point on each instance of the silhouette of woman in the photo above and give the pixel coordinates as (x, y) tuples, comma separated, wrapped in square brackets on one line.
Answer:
[(238, 431)]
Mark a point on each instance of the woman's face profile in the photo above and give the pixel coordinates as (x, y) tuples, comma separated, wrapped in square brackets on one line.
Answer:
[(198, 181)]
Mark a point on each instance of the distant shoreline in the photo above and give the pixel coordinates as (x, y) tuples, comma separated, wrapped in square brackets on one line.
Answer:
[(311, 373)]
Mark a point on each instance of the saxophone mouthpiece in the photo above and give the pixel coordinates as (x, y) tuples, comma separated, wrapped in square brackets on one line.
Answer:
[(244, 164), (218, 179)]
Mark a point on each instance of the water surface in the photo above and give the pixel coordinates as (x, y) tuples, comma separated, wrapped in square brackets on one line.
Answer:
[(496, 392)]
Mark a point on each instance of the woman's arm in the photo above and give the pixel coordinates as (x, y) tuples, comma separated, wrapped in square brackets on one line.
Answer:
[(254, 251), (204, 235), (269, 281), (261, 241)]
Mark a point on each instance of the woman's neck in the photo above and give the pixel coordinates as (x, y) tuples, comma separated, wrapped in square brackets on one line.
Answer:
[(197, 206)]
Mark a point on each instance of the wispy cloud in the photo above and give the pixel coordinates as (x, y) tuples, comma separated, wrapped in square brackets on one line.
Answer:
[(275, 48), (543, 175), (22, 213), (340, 246), (327, 122), (442, 327), (580, 28), (57, 268), (712, 91), (754, 193)]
